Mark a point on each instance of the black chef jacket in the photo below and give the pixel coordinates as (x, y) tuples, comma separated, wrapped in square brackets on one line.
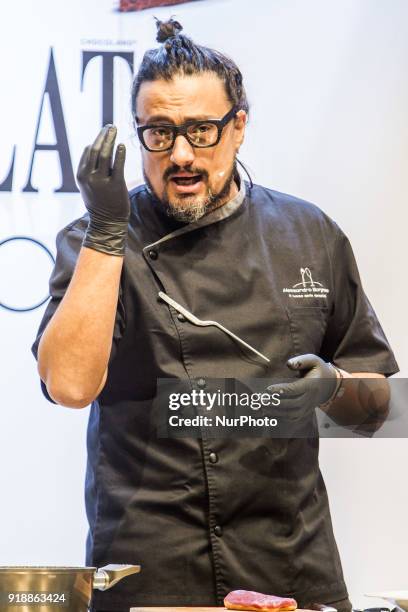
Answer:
[(202, 516)]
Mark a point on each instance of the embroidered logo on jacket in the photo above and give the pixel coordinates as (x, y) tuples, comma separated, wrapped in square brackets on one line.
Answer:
[(307, 288)]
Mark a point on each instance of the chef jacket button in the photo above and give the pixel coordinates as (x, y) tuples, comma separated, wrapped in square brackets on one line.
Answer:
[(201, 383), (218, 530), (181, 317), (213, 457), (153, 254)]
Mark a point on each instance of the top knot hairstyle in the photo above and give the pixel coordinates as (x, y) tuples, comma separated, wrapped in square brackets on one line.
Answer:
[(178, 54), (167, 29)]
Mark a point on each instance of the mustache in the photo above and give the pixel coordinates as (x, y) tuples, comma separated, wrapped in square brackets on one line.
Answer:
[(190, 170)]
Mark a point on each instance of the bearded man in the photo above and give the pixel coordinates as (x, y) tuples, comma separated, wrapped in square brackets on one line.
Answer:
[(203, 516)]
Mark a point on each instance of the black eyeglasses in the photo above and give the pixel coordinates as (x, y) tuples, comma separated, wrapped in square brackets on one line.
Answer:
[(201, 134)]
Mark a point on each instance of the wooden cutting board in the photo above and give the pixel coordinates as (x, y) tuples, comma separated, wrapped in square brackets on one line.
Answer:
[(178, 609), (187, 609)]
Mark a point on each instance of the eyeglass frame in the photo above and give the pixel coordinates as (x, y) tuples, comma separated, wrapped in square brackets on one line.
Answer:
[(181, 130)]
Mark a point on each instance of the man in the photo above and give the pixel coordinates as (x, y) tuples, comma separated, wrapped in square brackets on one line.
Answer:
[(203, 516)]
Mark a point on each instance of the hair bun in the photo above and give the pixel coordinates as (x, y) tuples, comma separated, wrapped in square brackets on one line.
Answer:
[(167, 29)]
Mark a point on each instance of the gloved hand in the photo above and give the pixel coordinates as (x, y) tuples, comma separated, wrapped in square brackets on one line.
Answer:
[(318, 384), (105, 194)]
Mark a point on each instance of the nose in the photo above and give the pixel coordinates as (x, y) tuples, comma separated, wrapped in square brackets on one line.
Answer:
[(182, 153)]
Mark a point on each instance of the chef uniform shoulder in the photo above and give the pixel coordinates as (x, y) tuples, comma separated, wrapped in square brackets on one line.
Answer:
[(137, 191), (284, 203), (285, 209), (71, 236), (69, 239), (139, 197), (78, 226), (75, 230)]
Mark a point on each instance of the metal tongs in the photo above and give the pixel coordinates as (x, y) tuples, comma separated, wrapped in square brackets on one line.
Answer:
[(328, 608), (379, 609), (193, 319)]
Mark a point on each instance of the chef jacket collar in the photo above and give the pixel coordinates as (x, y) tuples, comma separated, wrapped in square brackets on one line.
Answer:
[(223, 212)]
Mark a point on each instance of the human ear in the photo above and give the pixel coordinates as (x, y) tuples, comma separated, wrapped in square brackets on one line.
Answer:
[(239, 127)]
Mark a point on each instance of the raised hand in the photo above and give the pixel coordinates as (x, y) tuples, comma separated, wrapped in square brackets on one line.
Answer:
[(105, 194)]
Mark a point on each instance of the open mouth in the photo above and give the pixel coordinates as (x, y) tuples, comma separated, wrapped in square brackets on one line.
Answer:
[(187, 180)]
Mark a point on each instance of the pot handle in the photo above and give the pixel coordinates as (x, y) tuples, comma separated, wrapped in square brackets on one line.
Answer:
[(108, 575)]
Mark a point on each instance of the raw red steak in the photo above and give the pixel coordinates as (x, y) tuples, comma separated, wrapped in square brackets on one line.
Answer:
[(250, 600)]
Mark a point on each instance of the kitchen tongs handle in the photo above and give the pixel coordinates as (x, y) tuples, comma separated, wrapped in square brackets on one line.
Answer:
[(196, 321), (188, 315)]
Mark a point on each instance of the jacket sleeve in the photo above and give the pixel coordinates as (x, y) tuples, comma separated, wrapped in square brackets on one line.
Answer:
[(354, 339)]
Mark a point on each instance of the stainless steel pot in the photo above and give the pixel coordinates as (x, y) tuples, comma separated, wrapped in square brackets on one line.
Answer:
[(49, 589)]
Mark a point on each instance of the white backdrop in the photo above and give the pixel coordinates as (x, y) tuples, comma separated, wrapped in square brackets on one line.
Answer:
[(328, 90)]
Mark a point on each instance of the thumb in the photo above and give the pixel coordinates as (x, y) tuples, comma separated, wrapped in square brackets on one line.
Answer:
[(303, 362)]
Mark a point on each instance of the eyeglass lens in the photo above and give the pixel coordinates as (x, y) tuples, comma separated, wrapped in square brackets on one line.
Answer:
[(199, 134)]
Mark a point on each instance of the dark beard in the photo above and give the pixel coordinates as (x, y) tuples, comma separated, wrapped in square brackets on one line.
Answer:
[(189, 211)]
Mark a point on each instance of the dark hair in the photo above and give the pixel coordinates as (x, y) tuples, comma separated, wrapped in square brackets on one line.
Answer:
[(180, 55)]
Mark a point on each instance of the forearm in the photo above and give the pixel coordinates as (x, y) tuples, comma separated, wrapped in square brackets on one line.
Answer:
[(74, 350), (362, 402)]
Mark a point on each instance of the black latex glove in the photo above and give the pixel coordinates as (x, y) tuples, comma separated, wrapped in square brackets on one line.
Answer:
[(105, 194), (317, 386)]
